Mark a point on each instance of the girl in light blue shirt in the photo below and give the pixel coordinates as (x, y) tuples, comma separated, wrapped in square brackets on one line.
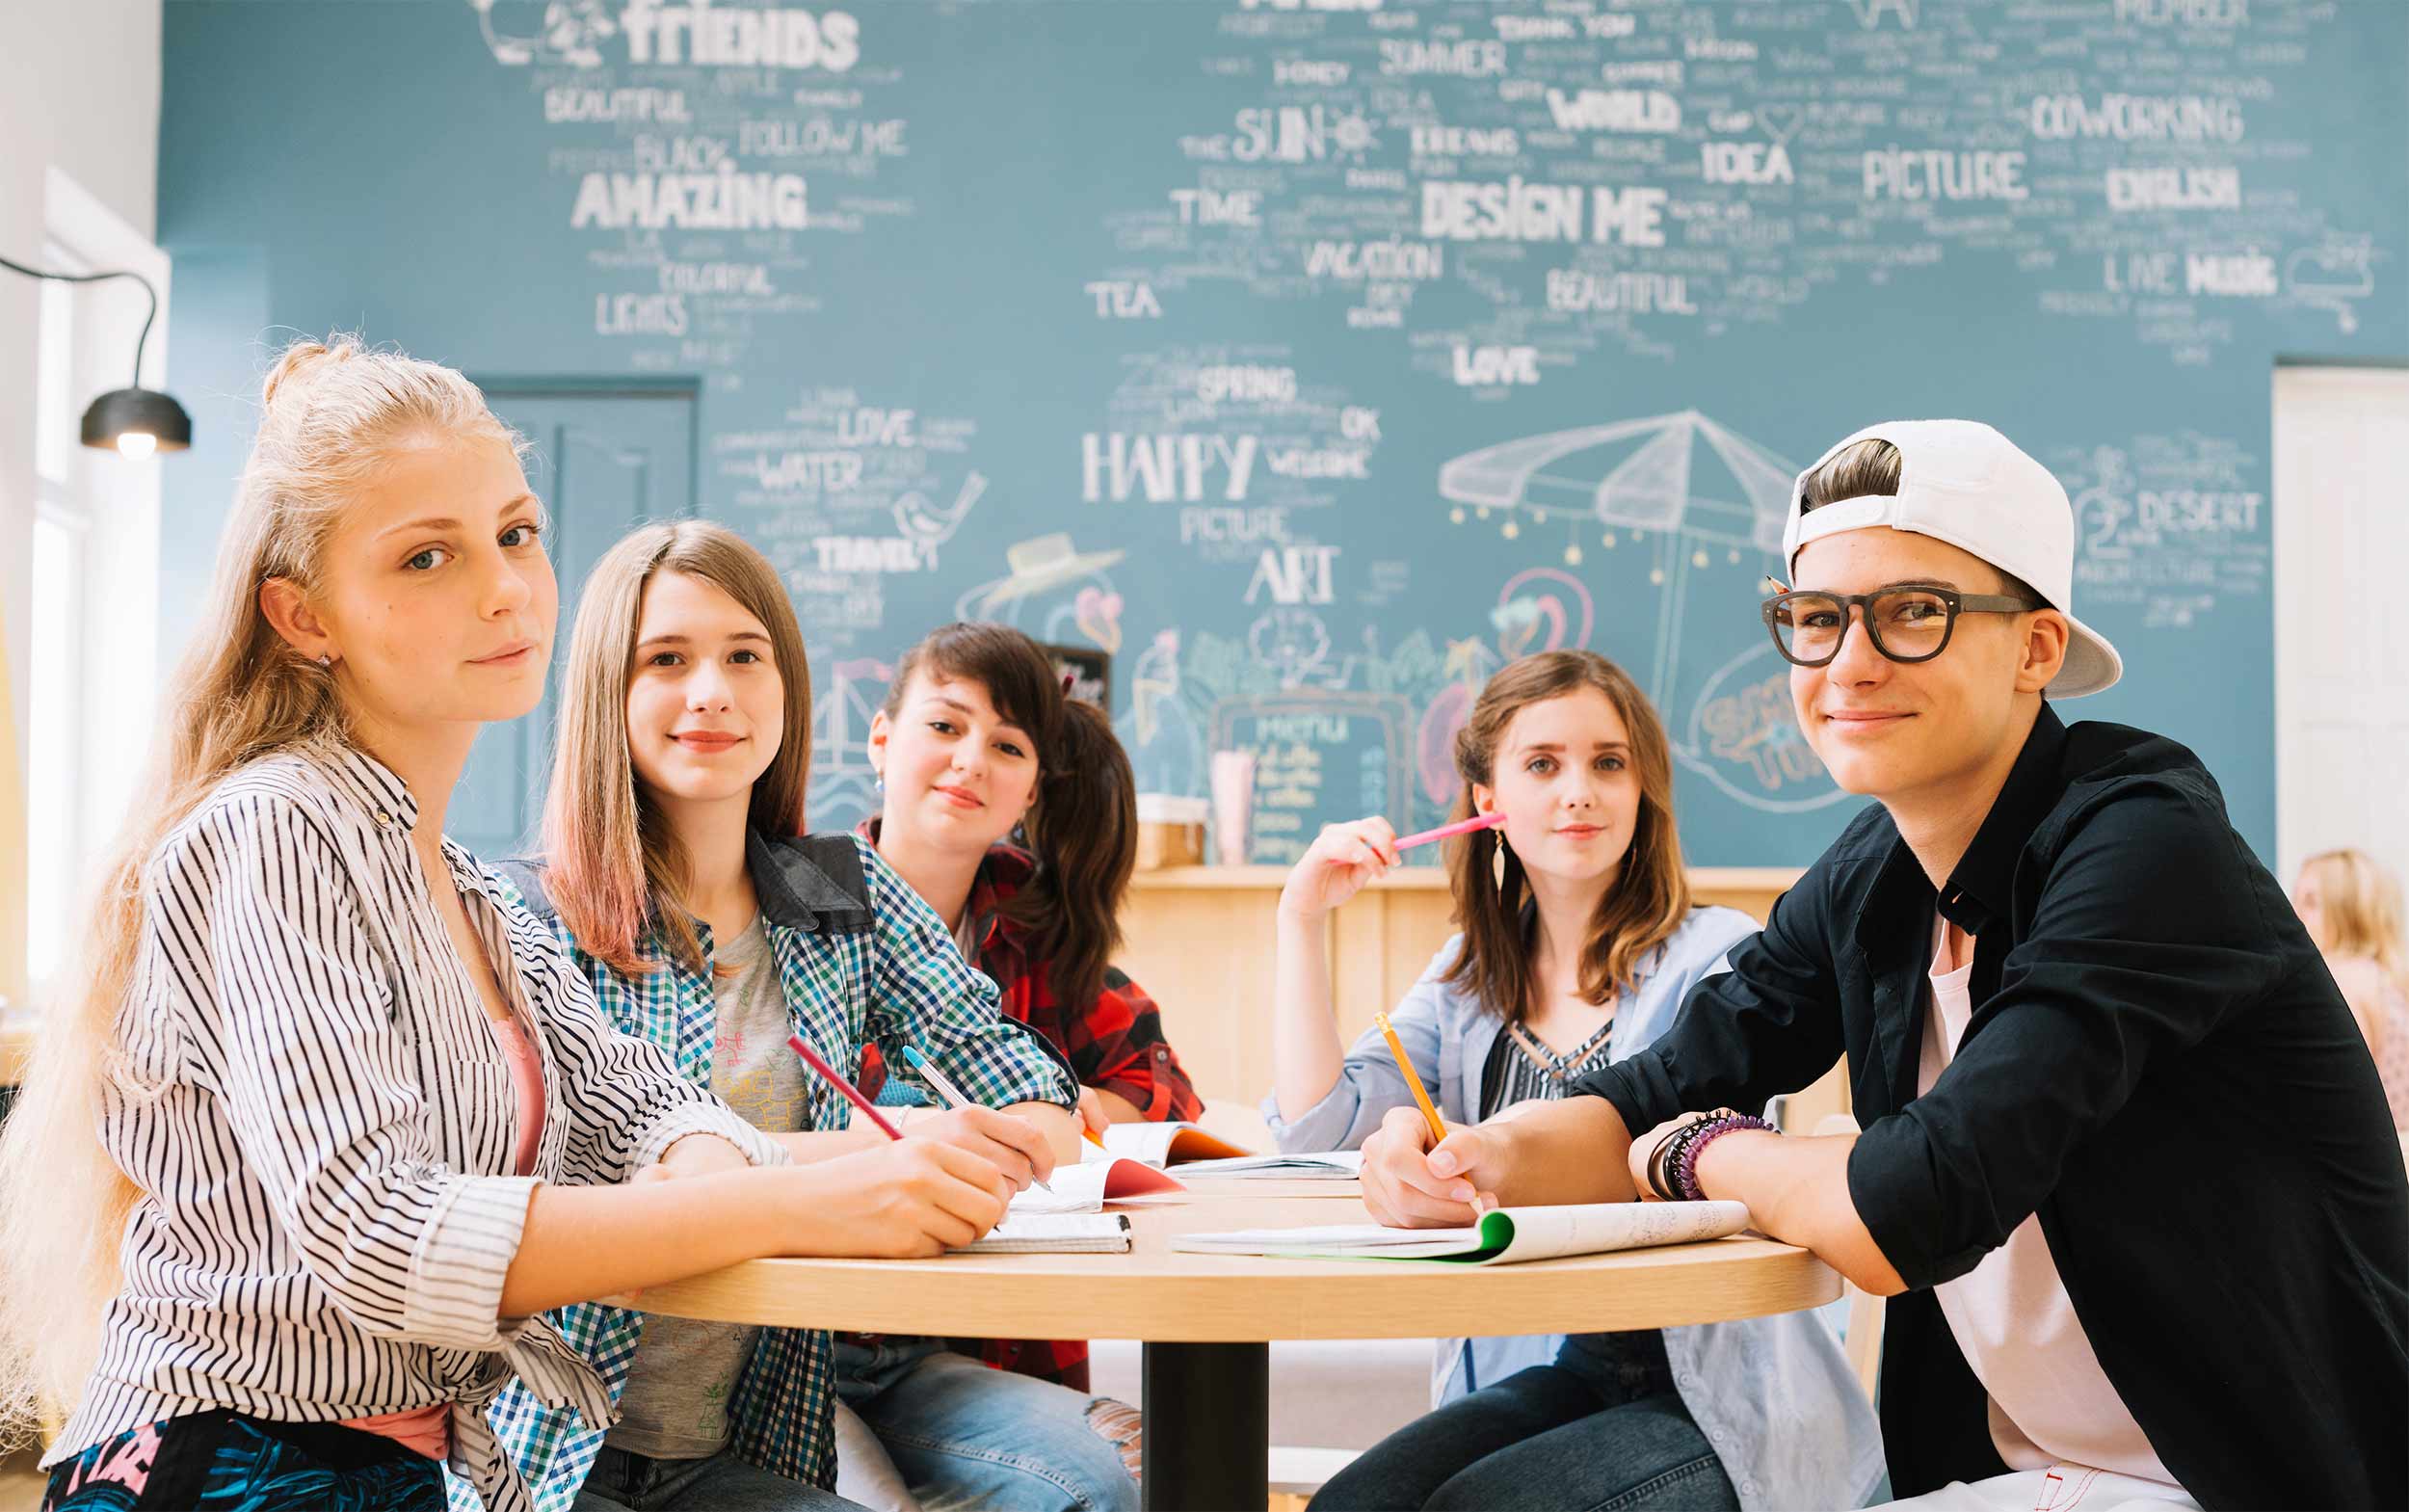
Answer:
[(1578, 944)]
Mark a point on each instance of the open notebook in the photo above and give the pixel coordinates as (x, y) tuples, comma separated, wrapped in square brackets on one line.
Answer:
[(1054, 1233), (1172, 1143), (1503, 1237), (1087, 1187), (1317, 1165)]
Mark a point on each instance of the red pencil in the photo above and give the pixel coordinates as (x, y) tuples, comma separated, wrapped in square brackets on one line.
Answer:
[(1446, 832), (853, 1093)]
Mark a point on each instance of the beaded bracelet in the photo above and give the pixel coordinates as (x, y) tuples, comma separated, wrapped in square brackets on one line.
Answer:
[(1665, 1158), (1685, 1172)]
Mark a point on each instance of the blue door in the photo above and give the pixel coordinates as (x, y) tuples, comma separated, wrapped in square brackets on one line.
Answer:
[(602, 464)]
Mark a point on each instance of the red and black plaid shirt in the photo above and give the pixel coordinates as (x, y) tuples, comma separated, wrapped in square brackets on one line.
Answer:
[(1114, 1043)]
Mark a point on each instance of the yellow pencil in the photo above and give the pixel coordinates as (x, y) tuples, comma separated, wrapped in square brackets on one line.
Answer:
[(1438, 1129)]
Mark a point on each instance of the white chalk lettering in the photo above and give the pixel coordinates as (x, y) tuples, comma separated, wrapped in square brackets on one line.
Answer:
[(740, 38), (1511, 211), (1213, 207), (1298, 133), (664, 107), (1486, 367), (2183, 12), (822, 136), (2174, 188), (1163, 469), (1745, 163), (1634, 217), (726, 200), (1535, 29), (1293, 574), (1352, 262), (1245, 383), (1650, 111), (870, 426), (1665, 71), (2246, 275), (1334, 461), (1573, 289), (1207, 522), (1930, 174), (807, 471), (868, 554), (1452, 60), (1465, 142), (1124, 301), (1718, 49), (639, 315), (750, 279), (2137, 118), (1312, 72)]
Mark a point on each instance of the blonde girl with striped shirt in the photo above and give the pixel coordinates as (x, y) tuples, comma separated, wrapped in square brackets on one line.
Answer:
[(358, 1119)]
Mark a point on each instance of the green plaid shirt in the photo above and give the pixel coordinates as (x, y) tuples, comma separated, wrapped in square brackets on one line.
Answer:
[(887, 973)]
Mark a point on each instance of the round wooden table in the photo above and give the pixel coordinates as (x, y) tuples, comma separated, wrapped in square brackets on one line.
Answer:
[(1206, 1321)]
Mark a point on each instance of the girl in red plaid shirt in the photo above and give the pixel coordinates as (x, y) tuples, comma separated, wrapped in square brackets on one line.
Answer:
[(976, 747)]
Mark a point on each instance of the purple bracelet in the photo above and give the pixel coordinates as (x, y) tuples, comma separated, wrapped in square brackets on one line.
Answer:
[(1686, 1174)]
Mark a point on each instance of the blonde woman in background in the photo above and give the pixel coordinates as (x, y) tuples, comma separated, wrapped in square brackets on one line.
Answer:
[(279, 1205), (2352, 908)]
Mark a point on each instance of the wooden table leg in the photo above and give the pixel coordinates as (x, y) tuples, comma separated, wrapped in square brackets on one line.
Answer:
[(1207, 1446)]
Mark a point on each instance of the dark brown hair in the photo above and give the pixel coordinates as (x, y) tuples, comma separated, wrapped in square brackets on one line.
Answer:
[(1871, 467), (1084, 827), (1650, 894)]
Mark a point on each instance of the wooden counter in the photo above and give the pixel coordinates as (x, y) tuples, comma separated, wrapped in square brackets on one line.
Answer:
[(1200, 941)]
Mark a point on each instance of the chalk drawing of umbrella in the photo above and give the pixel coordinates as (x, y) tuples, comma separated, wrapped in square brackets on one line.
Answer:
[(1689, 482)]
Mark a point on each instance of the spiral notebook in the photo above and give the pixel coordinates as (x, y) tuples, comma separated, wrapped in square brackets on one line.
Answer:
[(1054, 1233)]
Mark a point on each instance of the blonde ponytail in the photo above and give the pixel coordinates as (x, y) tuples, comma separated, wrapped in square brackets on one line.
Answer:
[(330, 413)]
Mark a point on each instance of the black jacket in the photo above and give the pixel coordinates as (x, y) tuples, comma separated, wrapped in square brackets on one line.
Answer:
[(2159, 1063)]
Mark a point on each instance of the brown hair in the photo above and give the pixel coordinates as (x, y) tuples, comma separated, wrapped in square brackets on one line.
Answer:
[(614, 864), (1085, 825), (1650, 895), (2359, 912), (1871, 467), (331, 414)]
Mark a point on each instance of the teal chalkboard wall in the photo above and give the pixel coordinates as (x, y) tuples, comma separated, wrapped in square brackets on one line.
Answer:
[(1315, 356)]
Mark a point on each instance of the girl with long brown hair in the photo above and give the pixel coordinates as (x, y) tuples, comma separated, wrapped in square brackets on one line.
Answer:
[(332, 1120), (1577, 943), (677, 872)]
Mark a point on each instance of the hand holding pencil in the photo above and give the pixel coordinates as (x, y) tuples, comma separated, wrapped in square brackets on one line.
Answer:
[(1346, 858)]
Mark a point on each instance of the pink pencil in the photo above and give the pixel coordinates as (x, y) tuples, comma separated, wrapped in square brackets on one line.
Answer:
[(1448, 832), (853, 1094)]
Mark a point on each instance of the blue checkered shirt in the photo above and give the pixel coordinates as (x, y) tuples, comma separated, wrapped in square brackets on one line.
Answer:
[(891, 977)]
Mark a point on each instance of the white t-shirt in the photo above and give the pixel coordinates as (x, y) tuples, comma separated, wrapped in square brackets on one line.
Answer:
[(2050, 1403)]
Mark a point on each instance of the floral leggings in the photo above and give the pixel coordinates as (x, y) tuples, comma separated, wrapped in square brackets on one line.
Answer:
[(225, 1462)]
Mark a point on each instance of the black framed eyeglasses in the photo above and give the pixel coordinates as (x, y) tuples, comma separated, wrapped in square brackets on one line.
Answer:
[(1911, 621)]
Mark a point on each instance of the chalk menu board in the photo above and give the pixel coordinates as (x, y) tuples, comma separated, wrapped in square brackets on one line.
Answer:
[(1316, 358)]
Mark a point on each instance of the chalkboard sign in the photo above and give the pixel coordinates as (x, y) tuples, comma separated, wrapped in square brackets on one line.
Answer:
[(1311, 359)]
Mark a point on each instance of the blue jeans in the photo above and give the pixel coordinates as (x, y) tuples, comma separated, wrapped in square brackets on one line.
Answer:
[(969, 1436), (716, 1483), (1576, 1435)]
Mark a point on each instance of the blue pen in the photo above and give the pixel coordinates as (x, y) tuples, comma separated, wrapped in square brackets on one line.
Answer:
[(946, 1089)]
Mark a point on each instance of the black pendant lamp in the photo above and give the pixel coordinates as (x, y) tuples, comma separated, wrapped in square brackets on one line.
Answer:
[(137, 421)]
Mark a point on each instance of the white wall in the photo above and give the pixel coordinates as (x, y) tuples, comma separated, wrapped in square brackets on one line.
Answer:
[(2341, 631), (79, 92)]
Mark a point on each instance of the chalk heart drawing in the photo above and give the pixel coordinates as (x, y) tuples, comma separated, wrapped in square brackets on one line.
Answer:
[(1781, 122), (1098, 614)]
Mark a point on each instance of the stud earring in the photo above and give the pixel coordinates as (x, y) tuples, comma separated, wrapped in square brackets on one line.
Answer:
[(325, 660)]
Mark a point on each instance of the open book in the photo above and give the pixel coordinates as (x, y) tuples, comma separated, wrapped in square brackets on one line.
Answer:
[(1503, 1237), (1164, 1144), (1088, 1186), (1054, 1233), (1306, 1165)]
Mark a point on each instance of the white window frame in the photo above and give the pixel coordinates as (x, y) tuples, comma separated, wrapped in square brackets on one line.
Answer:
[(111, 506)]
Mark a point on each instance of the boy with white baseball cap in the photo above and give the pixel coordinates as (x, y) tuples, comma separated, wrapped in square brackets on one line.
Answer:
[(2125, 1170)]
